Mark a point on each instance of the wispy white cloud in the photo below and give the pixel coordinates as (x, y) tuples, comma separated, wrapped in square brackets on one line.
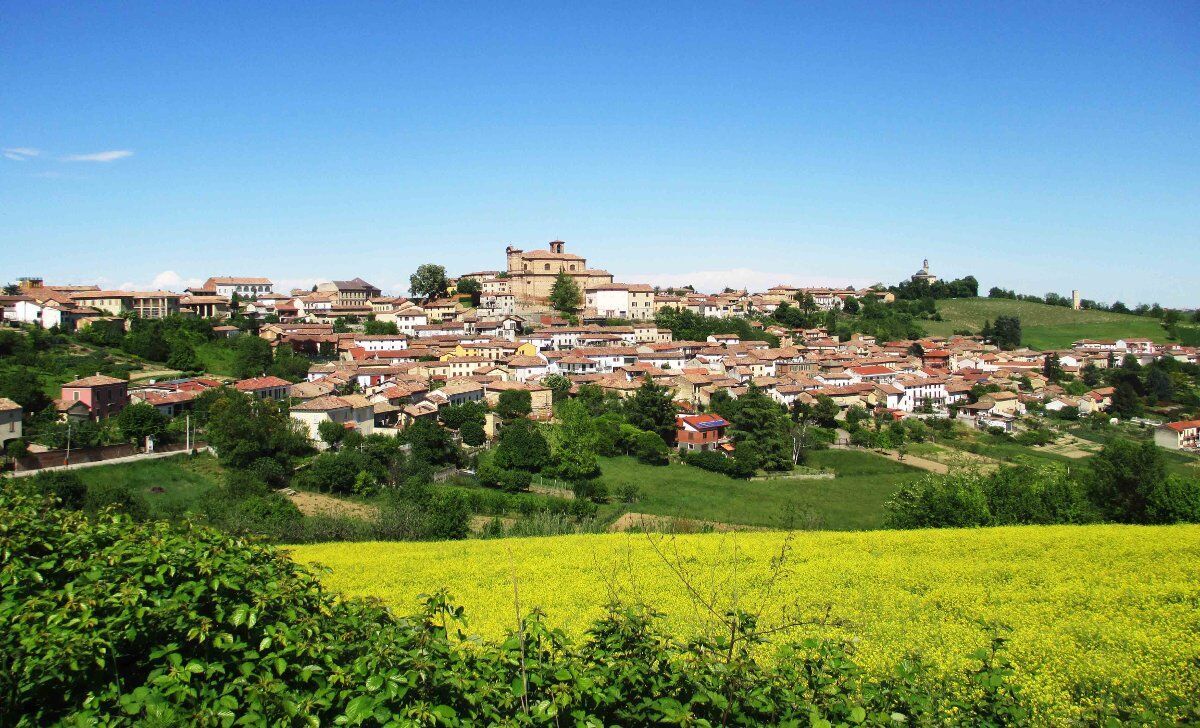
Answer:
[(109, 156), (286, 285), (20, 154), (168, 280), (739, 278)]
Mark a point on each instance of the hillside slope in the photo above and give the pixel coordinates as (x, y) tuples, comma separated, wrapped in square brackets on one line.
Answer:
[(1043, 327), (1087, 606)]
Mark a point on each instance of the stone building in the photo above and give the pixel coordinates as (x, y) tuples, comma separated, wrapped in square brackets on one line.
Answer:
[(532, 273)]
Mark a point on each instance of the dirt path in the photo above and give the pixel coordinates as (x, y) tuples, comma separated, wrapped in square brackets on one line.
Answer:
[(478, 523), (314, 504), (552, 491), (673, 524)]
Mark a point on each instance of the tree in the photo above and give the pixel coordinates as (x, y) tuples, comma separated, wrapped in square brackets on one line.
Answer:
[(1158, 385), (1122, 478), (428, 282), (652, 409), (521, 447), (470, 287), (565, 295), (514, 403), (559, 386), (575, 447), (331, 433), (183, 357), (22, 386), (380, 328), (289, 365), (825, 411), (1090, 374), (761, 432), (650, 449), (141, 420), (431, 444), (850, 305), (251, 356), (457, 415), (1052, 368), (1125, 402), (242, 428), (1006, 332), (472, 433)]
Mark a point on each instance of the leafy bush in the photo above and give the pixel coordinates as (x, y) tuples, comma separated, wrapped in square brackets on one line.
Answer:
[(113, 494), (593, 490), (269, 471), (629, 493), (1009, 496), (186, 625), (707, 460), (65, 485), (472, 433), (515, 481), (650, 449)]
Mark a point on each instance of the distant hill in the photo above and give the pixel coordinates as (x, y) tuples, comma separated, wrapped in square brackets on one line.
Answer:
[(1047, 327)]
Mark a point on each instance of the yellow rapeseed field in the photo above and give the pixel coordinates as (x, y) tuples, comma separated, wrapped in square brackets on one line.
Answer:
[(1107, 612)]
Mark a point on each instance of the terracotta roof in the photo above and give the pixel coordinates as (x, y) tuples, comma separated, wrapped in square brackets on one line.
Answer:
[(98, 380), (321, 404), (1184, 425), (256, 383), (7, 405)]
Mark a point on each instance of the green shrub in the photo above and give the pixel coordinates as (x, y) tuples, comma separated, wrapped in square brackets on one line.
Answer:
[(629, 493), (189, 626), (269, 471), (650, 449), (472, 433), (65, 485), (593, 490), (113, 494), (515, 481)]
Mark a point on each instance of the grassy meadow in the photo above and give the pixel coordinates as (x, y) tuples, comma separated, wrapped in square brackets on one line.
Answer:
[(851, 501), (1104, 611), (1042, 326), (183, 480)]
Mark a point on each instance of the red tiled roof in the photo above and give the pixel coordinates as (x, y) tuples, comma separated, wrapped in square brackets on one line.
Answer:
[(256, 383)]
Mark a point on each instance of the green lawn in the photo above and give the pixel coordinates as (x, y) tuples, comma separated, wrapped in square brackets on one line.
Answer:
[(183, 479), (851, 501), (216, 357), (1045, 327)]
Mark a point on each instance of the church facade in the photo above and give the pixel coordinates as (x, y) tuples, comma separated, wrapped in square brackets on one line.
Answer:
[(531, 274)]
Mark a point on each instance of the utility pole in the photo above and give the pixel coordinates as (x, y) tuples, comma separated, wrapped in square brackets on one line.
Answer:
[(67, 460), (187, 433)]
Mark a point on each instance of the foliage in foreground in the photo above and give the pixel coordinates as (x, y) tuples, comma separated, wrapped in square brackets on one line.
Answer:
[(107, 620)]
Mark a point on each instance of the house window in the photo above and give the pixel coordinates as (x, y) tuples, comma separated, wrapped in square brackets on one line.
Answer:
[(547, 266), (76, 396)]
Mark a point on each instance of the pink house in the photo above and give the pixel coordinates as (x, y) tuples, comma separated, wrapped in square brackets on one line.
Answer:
[(104, 396)]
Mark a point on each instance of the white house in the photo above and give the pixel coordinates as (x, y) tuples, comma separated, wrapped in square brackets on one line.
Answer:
[(10, 421), (352, 411)]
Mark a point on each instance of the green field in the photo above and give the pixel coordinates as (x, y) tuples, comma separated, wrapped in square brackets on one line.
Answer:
[(216, 358), (851, 501), (184, 480), (1042, 326), (1096, 614)]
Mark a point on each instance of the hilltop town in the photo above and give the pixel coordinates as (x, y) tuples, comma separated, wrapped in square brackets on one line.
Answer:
[(378, 363)]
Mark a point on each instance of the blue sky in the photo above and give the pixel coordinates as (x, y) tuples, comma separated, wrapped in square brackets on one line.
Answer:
[(1040, 146)]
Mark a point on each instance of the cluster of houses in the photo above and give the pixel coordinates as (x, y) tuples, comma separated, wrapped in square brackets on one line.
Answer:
[(523, 287), (447, 352)]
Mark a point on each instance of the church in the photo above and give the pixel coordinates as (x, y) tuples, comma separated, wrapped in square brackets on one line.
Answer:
[(531, 274)]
